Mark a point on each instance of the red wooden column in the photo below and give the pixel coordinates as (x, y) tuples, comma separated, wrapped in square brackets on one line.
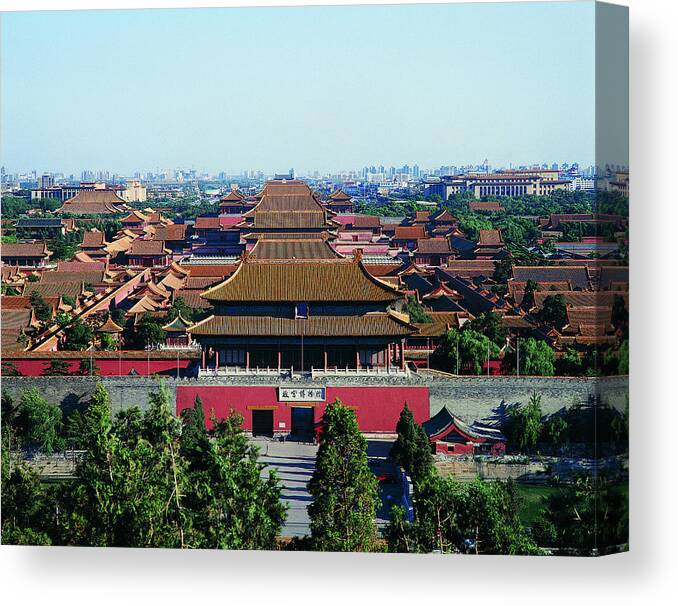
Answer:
[(216, 358), (388, 357), (357, 360), (247, 359), (325, 356), (402, 354), (203, 360), (279, 359)]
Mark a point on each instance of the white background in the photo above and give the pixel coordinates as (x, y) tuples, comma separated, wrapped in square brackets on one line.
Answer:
[(645, 575)]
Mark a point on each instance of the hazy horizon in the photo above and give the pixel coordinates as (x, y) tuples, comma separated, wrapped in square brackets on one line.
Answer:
[(314, 88)]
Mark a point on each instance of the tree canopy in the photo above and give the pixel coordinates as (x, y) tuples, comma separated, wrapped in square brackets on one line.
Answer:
[(344, 489), (412, 449), (461, 517)]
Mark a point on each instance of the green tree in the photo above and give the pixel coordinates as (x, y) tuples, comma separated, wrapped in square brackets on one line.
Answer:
[(148, 332), (417, 311), (525, 424), (40, 421), (233, 506), (502, 271), (63, 318), (129, 487), (623, 367), (79, 336), (9, 290), (590, 514), (528, 295), (9, 369), (344, 489), (195, 444), (489, 324), (23, 498), (179, 306), (536, 358), (472, 348), (43, 312), (412, 449), (14, 206), (570, 364), (620, 316), (554, 311), (461, 517), (68, 300), (88, 367), (554, 430), (57, 367), (108, 343)]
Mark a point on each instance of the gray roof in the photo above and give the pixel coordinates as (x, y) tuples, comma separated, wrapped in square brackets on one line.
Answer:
[(445, 420)]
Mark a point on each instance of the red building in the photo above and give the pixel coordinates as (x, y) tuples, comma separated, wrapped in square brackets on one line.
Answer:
[(33, 254), (340, 202), (449, 434), (148, 253), (433, 251), (303, 315), (298, 409)]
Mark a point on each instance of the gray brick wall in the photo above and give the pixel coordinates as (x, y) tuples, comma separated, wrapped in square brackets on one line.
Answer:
[(472, 398)]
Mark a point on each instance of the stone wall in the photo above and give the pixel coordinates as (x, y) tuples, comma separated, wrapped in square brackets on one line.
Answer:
[(471, 398)]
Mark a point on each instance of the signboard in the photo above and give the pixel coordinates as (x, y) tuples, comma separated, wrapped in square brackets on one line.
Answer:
[(304, 394)]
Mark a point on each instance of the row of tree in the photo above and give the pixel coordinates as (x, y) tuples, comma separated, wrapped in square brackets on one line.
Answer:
[(586, 516), (469, 349), (593, 426), (148, 479)]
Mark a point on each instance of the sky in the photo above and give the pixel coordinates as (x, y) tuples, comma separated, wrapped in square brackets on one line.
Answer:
[(313, 88)]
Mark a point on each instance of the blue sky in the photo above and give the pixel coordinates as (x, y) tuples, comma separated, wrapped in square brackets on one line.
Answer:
[(306, 87)]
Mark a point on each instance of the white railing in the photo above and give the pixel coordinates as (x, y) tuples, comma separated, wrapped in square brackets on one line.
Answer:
[(179, 347), (254, 371), (359, 372)]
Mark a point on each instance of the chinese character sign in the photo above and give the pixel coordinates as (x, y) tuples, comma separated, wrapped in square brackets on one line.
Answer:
[(306, 394)]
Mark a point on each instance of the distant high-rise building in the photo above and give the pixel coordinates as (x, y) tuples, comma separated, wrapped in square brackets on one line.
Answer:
[(45, 181)]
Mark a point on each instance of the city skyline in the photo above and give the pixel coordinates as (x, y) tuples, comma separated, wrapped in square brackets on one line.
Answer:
[(412, 169), (153, 90)]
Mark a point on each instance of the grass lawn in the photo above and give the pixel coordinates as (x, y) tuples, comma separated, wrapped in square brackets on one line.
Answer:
[(531, 495)]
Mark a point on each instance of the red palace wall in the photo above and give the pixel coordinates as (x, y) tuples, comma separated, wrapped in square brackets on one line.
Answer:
[(107, 367), (377, 408)]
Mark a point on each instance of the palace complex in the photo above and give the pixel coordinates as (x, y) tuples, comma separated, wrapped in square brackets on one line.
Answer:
[(291, 289)]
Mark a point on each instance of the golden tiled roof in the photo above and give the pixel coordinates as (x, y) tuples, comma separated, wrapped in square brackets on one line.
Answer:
[(94, 202), (332, 280), (289, 219), (110, 327), (293, 249), (490, 237), (25, 249), (368, 325), (288, 205)]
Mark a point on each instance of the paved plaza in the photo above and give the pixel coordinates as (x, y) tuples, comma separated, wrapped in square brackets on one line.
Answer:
[(294, 463)]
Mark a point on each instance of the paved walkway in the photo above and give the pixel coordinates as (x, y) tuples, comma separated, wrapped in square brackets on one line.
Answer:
[(294, 463)]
